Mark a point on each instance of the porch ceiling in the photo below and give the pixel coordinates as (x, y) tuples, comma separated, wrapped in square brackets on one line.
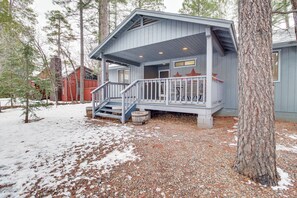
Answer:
[(195, 44)]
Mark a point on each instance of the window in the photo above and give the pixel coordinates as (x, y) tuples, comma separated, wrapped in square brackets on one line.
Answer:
[(186, 63), (276, 66), (123, 76)]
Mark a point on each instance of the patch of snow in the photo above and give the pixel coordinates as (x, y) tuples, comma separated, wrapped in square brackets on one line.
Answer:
[(233, 144), (232, 131), (292, 149), (293, 136), (46, 150), (285, 181), (116, 158), (158, 189)]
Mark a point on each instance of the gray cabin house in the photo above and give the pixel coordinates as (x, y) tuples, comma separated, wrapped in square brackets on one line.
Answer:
[(181, 63)]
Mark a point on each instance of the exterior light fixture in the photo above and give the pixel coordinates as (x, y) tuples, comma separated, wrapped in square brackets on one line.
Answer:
[(140, 56), (185, 49), (161, 53)]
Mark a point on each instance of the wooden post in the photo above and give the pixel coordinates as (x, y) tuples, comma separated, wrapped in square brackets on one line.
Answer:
[(93, 104), (209, 54), (103, 74)]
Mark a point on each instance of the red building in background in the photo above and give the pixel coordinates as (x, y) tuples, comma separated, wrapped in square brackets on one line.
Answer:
[(69, 85)]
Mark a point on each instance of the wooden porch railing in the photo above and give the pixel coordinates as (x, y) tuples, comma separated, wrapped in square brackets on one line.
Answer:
[(167, 91), (217, 91), (183, 90), (105, 92)]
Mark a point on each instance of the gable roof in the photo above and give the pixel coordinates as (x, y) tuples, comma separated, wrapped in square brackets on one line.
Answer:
[(218, 23)]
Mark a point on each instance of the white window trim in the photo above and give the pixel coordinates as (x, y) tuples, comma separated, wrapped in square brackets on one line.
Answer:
[(163, 71), (185, 60), (279, 65), (124, 70)]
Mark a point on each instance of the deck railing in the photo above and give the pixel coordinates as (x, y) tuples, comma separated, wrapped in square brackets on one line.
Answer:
[(107, 91), (130, 96), (167, 91), (217, 91), (184, 90)]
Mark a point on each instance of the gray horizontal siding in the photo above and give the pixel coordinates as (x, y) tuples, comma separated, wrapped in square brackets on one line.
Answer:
[(163, 30)]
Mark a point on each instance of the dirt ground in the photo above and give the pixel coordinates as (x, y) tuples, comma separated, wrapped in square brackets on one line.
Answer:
[(177, 159)]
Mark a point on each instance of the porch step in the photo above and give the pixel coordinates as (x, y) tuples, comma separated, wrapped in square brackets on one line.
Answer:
[(119, 111), (110, 110), (107, 115)]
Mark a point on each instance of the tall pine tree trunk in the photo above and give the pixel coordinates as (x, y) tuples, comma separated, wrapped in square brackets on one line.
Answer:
[(287, 22), (256, 132), (294, 7), (103, 26), (82, 68), (27, 92)]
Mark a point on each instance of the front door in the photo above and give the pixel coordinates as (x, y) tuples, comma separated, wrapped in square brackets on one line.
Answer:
[(162, 85)]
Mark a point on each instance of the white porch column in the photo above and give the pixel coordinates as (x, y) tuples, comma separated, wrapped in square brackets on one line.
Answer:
[(103, 74), (209, 54), (205, 119), (103, 69)]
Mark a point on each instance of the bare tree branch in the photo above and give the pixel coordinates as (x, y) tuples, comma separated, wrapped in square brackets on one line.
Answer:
[(282, 12)]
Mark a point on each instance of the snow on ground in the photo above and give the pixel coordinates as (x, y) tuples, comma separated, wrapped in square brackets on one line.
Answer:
[(284, 182), (292, 149), (40, 153)]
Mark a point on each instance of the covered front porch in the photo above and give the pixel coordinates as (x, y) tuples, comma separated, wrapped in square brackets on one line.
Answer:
[(141, 50)]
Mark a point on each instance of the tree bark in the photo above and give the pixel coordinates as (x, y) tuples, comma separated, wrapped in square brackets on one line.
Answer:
[(256, 156), (59, 38), (82, 68), (103, 26), (27, 93), (294, 7)]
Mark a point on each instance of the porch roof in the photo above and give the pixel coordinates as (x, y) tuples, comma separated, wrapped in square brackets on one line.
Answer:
[(223, 31)]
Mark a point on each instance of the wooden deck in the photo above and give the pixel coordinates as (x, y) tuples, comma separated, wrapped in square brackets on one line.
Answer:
[(183, 95)]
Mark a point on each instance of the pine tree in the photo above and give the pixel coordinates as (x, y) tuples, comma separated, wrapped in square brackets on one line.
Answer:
[(59, 31), (204, 8), (18, 54), (157, 5), (76, 8), (256, 156)]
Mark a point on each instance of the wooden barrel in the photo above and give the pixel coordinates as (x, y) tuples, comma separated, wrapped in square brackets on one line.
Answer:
[(89, 112), (140, 117)]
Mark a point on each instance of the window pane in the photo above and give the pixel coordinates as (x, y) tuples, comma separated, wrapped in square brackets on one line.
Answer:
[(179, 64), (275, 65), (185, 63), (123, 76), (120, 76), (126, 76), (190, 62)]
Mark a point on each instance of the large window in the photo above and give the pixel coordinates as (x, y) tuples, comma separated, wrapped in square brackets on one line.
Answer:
[(185, 63), (276, 66), (123, 76)]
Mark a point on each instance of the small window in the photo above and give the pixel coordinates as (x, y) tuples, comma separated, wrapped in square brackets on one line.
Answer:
[(186, 63), (276, 66), (123, 76)]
